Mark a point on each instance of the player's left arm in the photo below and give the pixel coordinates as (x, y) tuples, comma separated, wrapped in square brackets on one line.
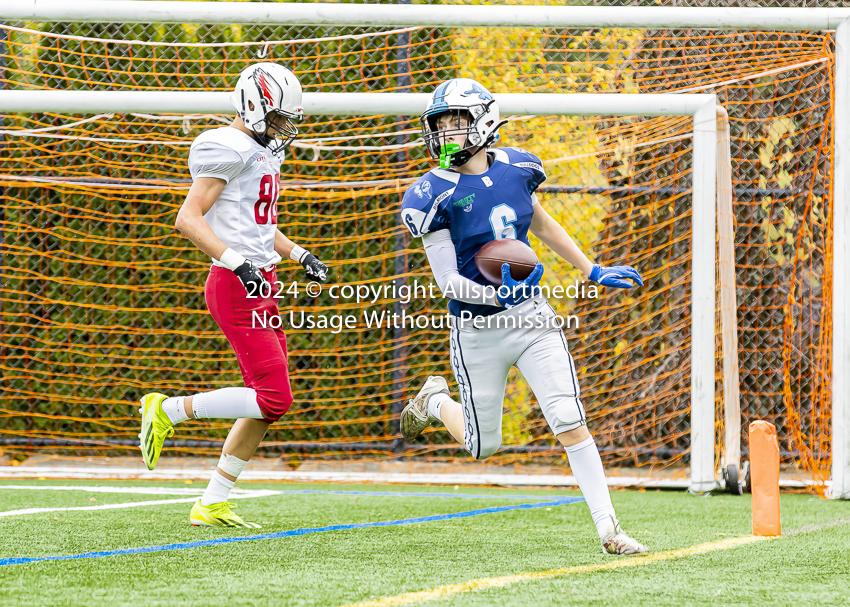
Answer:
[(316, 270), (553, 234)]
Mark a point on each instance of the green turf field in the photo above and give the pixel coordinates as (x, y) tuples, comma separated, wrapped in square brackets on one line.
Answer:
[(343, 566)]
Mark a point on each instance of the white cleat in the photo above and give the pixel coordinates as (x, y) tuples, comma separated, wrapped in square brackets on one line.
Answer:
[(415, 417), (615, 541)]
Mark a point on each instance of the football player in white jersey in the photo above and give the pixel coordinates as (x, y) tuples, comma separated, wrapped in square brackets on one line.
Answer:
[(230, 214), (480, 194)]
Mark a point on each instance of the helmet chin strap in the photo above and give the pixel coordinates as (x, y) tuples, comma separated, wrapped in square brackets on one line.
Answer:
[(284, 132), (261, 139)]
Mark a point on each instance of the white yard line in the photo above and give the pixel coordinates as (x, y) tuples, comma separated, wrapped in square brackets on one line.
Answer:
[(89, 489), (138, 490), (195, 493), (185, 500), (102, 507)]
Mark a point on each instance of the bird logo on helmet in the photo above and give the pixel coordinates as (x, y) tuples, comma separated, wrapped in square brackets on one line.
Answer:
[(463, 96), (267, 98), (268, 87)]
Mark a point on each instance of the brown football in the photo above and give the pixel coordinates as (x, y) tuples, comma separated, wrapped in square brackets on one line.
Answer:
[(492, 255)]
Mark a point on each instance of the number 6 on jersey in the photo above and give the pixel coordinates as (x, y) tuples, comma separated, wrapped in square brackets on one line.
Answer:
[(502, 218)]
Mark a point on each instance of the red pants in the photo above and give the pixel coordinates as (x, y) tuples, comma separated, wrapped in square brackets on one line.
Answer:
[(261, 352)]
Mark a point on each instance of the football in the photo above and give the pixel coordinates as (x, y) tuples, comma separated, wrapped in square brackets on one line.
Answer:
[(492, 255)]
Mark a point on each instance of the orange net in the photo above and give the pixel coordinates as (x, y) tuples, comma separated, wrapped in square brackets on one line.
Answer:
[(102, 300)]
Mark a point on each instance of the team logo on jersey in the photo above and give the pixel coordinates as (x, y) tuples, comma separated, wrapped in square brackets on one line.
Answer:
[(268, 87), (423, 190), (465, 203)]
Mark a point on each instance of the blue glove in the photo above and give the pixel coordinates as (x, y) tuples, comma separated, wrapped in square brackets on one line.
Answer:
[(513, 292), (613, 276)]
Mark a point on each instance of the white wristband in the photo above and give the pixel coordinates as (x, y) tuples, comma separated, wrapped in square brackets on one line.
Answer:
[(231, 259), (297, 253)]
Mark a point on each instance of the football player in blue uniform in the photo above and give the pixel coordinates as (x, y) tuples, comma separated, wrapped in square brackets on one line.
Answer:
[(480, 194)]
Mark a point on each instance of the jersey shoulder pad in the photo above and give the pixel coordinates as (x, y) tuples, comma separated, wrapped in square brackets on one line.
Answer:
[(422, 208), (519, 157), (523, 159), (227, 137), (219, 155)]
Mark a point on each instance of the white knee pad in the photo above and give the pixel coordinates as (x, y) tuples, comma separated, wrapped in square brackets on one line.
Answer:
[(231, 465)]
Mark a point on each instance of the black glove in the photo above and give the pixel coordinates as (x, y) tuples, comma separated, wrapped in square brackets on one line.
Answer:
[(252, 279), (316, 270)]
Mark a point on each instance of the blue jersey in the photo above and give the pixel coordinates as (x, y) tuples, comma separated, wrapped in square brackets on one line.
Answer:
[(476, 209)]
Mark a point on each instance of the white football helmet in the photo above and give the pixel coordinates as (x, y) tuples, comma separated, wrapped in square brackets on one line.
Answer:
[(268, 88), (460, 95)]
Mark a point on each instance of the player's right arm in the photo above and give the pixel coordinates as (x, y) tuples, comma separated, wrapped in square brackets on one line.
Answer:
[(190, 218), (213, 165), (191, 223), (442, 257)]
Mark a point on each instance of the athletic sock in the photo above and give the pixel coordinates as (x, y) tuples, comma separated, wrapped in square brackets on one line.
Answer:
[(218, 490), (173, 408), (586, 466), (435, 403), (227, 403)]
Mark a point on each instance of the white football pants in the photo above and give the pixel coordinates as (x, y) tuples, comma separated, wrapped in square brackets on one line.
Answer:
[(527, 336)]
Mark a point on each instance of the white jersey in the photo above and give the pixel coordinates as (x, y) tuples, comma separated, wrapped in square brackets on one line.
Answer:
[(244, 216)]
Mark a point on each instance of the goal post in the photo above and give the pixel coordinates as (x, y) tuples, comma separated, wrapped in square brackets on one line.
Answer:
[(705, 205), (358, 104), (841, 269)]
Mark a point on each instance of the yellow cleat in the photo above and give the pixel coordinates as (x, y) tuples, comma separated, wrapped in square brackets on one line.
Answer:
[(156, 427), (218, 515)]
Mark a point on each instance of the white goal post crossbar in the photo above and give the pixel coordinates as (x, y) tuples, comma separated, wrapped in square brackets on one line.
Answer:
[(702, 107), (564, 17)]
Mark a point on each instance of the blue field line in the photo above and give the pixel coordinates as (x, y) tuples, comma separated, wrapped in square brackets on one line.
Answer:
[(478, 496), (293, 533)]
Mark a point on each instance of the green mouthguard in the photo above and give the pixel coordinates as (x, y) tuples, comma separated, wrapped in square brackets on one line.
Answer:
[(446, 152)]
